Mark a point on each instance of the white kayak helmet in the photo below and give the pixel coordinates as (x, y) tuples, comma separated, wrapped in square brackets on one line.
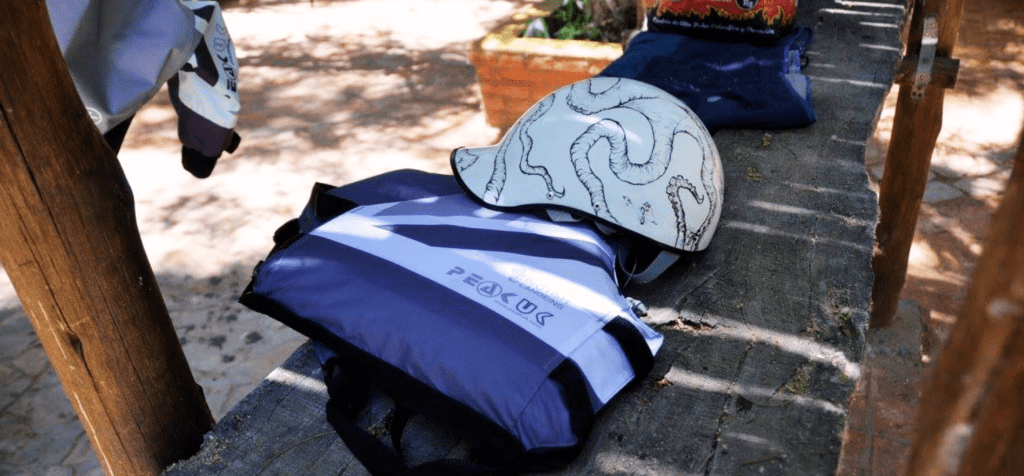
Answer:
[(619, 151)]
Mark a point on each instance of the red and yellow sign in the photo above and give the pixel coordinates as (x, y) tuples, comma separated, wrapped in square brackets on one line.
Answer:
[(753, 17)]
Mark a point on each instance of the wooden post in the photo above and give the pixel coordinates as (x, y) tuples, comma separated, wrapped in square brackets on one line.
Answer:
[(71, 246), (971, 419), (915, 129)]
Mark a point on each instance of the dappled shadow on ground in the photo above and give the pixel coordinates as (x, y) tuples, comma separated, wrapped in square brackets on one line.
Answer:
[(240, 4), (992, 38), (328, 100), (230, 349), (982, 118), (354, 90), (295, 101), (319, 103), (248, 4)]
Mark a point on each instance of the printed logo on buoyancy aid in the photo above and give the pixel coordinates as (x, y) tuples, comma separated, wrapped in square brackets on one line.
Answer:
[(226, 54), (523, 306), (562, 309)]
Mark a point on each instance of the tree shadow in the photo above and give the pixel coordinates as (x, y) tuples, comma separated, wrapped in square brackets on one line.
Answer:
[(421, 85), (325, 113), (990, 42), (250, 4), (230, 350), (747, 351), (950, 237), (357, 93), (974, 154)]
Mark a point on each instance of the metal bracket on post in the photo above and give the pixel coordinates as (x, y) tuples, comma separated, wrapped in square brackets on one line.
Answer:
[(926, 58)]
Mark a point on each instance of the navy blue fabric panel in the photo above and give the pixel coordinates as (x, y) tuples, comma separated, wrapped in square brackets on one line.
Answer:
[(728, 85), (527, 244), (195, 131), (397, 186), (439, 337)]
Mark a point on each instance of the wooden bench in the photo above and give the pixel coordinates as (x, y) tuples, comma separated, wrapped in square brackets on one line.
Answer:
[(765, 330)]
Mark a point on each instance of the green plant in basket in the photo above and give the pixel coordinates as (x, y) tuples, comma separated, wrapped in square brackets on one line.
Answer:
[(584, 20)]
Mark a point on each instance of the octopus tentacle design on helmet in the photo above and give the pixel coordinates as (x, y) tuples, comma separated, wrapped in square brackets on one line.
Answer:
[(496, 183), (619, 151)]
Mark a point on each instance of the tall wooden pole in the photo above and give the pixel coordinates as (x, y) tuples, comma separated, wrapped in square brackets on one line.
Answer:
[(71, 246), (916, 127), (971, 419)]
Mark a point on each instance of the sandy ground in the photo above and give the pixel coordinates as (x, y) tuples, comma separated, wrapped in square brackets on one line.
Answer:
[(982, 118), (342, 94), (337, 91), (345, 91)]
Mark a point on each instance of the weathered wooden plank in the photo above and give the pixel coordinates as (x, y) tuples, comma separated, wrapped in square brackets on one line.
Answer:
[(70, 244), (765, 329), (971, 420), (786, 274), (281, 429)]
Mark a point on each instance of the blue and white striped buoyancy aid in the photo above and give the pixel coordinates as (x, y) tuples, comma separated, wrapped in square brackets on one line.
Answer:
[(482, 306)]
